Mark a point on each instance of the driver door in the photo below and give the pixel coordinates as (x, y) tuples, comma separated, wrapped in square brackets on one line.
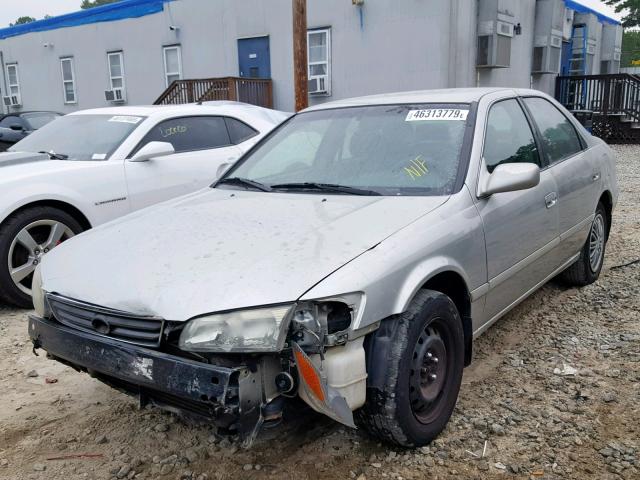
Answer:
[(201, 145), (521, 227)]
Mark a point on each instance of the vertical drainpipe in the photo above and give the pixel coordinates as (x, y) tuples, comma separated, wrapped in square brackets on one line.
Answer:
[(453, 44), (4, 80)]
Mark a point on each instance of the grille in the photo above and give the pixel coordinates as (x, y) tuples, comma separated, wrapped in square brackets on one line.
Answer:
[(123, 326)]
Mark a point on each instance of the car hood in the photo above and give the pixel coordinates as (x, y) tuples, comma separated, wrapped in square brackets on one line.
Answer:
[(220, 249)]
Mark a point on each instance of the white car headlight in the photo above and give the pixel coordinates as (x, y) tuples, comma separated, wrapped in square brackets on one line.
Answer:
[(253, 330), (38, 295)]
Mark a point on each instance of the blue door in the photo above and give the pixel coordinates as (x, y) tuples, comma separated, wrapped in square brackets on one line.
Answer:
[(254, 60)]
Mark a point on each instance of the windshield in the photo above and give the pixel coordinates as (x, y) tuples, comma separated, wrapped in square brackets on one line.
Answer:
[(38, 120), (81, 137), (388, 150)]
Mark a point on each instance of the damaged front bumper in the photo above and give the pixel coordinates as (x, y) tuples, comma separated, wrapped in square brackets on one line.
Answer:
[(232, 397)]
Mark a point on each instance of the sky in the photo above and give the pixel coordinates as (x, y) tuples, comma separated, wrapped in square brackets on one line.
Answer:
[(10, 10)]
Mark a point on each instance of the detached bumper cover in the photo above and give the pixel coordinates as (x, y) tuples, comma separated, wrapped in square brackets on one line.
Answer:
[(170, 381)]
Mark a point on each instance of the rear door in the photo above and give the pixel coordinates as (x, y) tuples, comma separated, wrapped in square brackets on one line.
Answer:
[(577, 175), (202, 145), (521, 228)]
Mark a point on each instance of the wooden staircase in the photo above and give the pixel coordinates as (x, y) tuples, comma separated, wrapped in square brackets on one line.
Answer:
[(256, 91), (613, 101)]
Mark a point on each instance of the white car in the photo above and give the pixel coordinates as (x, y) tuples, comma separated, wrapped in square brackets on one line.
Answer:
[(92, 166)]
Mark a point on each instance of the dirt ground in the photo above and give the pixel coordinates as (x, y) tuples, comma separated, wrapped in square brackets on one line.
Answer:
[(523, 411)]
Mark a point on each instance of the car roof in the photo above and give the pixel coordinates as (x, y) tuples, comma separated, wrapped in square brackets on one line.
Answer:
[(448, 95), (208, 108)]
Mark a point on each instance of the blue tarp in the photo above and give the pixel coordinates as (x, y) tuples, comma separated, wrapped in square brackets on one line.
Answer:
[(105, 13), (580, 8)]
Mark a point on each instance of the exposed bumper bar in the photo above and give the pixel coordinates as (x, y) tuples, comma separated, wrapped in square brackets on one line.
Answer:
[(168, 380)]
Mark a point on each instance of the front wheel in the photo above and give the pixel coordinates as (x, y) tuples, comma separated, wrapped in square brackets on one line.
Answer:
[(424, 372), (25, 237)]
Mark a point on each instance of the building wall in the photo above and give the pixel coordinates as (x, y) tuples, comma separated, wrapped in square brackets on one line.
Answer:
[(382, 46)]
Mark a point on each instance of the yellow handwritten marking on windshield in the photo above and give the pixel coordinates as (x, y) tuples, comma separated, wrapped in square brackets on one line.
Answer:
[(417, 169)]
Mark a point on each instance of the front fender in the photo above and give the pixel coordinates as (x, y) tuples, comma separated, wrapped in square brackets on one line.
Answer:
[(19, 196)]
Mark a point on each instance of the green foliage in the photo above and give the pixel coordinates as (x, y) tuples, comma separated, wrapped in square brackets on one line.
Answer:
[(630, 48), (95, 3), (630, 10), (22, 21)]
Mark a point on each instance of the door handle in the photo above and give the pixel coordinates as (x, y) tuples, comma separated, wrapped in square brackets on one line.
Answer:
[(551, 199), (595, 177)]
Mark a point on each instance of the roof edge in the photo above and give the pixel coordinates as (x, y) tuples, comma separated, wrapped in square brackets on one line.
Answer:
[(105, 13)]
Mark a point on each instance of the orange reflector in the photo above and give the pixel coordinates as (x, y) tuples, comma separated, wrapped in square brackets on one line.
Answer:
[(310, 375)]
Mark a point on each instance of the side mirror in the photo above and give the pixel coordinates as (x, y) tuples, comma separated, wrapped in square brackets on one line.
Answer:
[(153, 150), (509, 177), (222, 169), (17, 127)]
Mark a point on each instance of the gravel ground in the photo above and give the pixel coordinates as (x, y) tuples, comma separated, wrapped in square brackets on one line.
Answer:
[(523, 412)]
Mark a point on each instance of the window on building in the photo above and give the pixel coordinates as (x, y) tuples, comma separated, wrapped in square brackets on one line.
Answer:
[(559, 136), (319, 57), (13, 80), (172, 64), (189, 134), (68, 80), (508, 138), (116, 70)]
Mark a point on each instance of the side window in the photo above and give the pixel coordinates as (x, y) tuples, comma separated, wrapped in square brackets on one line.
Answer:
[(239, 131), (11, 120), (189, 133), (508, 138), (559, 136)]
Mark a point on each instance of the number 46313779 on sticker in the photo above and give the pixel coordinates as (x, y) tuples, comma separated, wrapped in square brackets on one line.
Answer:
[(437, 114)]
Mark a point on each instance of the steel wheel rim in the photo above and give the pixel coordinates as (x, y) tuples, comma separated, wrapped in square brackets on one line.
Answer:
[(596, 242), (30, 245), (429, 371)]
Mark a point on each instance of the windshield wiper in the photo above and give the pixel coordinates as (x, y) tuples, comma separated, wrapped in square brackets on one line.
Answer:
[(55, 156), (324, 187), (245, 182)]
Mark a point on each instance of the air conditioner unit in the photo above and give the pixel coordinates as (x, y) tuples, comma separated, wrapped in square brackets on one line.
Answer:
[(318, 84), (12, 101), (116, 95)]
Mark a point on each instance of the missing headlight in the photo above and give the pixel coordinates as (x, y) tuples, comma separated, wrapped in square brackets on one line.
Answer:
[(339, 316)]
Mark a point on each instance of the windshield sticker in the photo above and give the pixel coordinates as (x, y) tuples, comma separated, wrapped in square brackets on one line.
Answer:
[(98, 156), (417, 168), (436, 114), (170, 131), (125, 119)]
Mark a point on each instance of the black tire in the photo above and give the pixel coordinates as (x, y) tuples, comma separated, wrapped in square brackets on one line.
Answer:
[(10, 228), (582, 273), (399, 414)]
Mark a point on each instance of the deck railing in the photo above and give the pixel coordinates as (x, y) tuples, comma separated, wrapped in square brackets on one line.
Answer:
[(256, 91), (614, 94)]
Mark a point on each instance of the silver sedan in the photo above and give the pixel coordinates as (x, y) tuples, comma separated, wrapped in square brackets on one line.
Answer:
[(349, 259)]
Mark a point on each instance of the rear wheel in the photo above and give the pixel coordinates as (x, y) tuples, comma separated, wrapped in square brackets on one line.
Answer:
[(424, 372), (586, 269), (25, 237)]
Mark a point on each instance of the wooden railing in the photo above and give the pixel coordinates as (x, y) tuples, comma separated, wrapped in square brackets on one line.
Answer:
[(615, 94), (256, 91)]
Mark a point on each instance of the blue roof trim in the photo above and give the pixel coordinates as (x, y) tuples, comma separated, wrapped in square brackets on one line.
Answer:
[(106, 13), (580, 8)]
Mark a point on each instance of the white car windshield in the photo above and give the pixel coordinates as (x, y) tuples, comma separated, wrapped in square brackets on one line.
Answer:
[(80, 137), (377, 150)]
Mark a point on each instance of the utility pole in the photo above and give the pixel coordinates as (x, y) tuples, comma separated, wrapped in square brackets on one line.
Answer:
[(300, 68)]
